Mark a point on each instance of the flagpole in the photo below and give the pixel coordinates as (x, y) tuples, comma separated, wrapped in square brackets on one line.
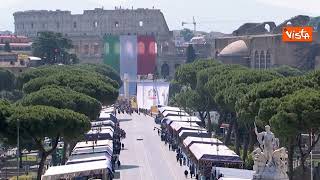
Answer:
[(311, 170)]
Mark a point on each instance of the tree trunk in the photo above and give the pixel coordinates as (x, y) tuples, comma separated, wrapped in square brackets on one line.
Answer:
[(290, 159), (252, 140), (41, 164), (237, 136), (305, 155), (245, 147), (302, 162), (64, 152), (20, 157), (44, 154), (72, 144), (202, 117), (209, 123), (228, 136), (221, 118)]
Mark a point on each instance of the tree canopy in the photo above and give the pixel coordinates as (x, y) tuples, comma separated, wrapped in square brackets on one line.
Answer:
[(92, 86), (82, 79), (187, 34), (287, 71), (102, 69), (53, 48), (38, 122), (7, 80), (285, 97), (187, 74), (80, 70), (5, 112), (64, 98), (56, 103), (191, 54)]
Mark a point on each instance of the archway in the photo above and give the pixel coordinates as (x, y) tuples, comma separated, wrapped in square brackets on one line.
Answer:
[(256, 60), (165, 70), (267, 27), (262, 60), (268, 59)]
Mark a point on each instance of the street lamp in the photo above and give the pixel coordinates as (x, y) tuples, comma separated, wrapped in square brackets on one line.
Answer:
[(311, 170), (18, 151), (217, 143)]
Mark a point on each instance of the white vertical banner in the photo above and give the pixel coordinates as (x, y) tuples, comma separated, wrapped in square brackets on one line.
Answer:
[(150, 93)]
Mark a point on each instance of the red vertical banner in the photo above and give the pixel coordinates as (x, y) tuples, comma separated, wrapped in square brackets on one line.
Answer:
[(147, 53)]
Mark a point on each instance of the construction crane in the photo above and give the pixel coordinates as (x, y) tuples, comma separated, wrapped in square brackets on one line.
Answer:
[(194, 24)]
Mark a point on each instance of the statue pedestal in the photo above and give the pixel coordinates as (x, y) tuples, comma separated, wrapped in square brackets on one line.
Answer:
[(270, 173)]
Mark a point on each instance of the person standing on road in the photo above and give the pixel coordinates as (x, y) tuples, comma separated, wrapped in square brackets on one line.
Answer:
[(177, 157), (180, 161), (191, 171), (186, 173)]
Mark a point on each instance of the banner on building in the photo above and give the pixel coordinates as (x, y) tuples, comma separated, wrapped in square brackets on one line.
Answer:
[(151, 93), (111, 51), (147, 50), (128, 60)]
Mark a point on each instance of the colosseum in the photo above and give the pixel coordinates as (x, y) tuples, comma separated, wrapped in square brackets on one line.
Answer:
[(88, 30)]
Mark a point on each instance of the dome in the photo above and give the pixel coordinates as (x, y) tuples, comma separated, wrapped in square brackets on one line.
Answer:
[(237, 48)]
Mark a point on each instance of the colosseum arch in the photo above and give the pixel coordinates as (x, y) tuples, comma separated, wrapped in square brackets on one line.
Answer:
[(256, 60), (268, 59), (262, 64), (165, 70)]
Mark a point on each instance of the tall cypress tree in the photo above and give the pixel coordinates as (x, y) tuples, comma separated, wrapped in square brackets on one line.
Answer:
[(191, 54)]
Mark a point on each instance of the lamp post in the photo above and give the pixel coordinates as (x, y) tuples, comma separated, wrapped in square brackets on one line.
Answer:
[(311, 170), (18, 151)]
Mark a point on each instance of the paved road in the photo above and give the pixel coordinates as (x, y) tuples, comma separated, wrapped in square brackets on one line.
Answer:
[(145, 157)]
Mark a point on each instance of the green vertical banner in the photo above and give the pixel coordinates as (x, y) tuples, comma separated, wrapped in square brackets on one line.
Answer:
[(112, 51)]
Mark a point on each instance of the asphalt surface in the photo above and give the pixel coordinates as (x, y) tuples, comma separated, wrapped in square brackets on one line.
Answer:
[(145, 157)]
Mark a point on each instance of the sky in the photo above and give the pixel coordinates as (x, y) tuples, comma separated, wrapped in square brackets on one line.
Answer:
[(210, 15)]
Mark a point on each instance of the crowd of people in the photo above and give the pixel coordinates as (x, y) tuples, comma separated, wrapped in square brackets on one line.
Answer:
[(124, 106), (181, 160)]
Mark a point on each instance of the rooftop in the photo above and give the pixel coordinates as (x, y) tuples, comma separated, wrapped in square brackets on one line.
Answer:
[(237, 48), (187, 141), (221, 151), (176, 125)]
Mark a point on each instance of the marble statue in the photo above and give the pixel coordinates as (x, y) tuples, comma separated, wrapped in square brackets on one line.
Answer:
[(259, 160), (267, 142), (270, 161)]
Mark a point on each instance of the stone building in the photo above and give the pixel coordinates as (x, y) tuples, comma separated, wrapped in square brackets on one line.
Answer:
[(19, 44), (260, 46), (97, 22), (87, 30), (18, 63)]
